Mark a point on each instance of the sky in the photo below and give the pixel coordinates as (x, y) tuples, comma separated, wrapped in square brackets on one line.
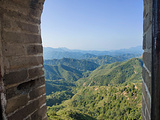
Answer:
[(92, 24)]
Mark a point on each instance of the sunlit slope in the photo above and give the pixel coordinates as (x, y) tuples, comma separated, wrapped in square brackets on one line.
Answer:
[(117, 102), (119, 72)]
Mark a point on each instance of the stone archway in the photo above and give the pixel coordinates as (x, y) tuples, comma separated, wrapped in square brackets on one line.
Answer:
[(22, 84)]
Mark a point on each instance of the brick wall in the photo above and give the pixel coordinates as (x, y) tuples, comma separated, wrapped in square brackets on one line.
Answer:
[(147, 60), (155, 109), (151, 59), (22, 84)]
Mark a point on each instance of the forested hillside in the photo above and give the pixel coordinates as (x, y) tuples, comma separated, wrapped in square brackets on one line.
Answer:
[(81, 65), (117, 102), (94, 89), (115, 73)]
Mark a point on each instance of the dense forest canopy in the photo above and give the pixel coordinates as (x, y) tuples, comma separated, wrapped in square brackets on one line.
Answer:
[(94, 88)]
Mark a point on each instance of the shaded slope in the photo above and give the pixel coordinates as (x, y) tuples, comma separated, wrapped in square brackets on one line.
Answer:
[(61, 72), (81, 65)]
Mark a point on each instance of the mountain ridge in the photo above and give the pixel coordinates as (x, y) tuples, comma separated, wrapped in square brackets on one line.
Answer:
[(58, 53)]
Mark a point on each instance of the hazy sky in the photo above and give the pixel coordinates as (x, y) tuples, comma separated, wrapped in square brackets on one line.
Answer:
[(92, 24)]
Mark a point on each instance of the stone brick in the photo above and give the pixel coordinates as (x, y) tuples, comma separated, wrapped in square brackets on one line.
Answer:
[(147, 15), (147, 79), (36, 13), (16, 102), (29, 118), (21, 17), (26, 87), (28, 27), (39, 82), (12, 6), (22, 3), (34, 49), (24, 112), (28, 109), (147, 39), (45, 118), (143, 118), (17, 25), (29, 85), (37, 92), (143, 107), (147, 21), (7, 23), (35, 72), (13, 49), (41, 101), (148, 117), (15, 37), (15, 77), (24, 62), (147, 59), (147, 99), (144, 42), (39, 114), (12, 92)]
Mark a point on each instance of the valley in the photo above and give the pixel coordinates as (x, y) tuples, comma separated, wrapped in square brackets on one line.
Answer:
[(94, 88)]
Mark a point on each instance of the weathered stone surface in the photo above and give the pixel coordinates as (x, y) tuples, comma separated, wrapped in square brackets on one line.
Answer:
[(34, 49), (13, 49), (15, 6), (147, 60), (29, 85), (15, 103), (15, 37), (28, 27), (12, 92), (147, 39), (29, 118), (147, 15), (37, 92), (21, 61), (143, 107), (45, 118), (147, 79), (15, 77), (39, 114), (28, 109), (34, 72), (21, 17), (24, 112), (147, 98), (24, 62)]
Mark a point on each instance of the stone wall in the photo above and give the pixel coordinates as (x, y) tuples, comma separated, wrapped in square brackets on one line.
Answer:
[(22, 83), (151, 59), (147, 60), (155, 109)]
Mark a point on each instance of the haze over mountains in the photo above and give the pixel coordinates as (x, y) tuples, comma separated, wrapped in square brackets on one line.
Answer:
[(58, 53)]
